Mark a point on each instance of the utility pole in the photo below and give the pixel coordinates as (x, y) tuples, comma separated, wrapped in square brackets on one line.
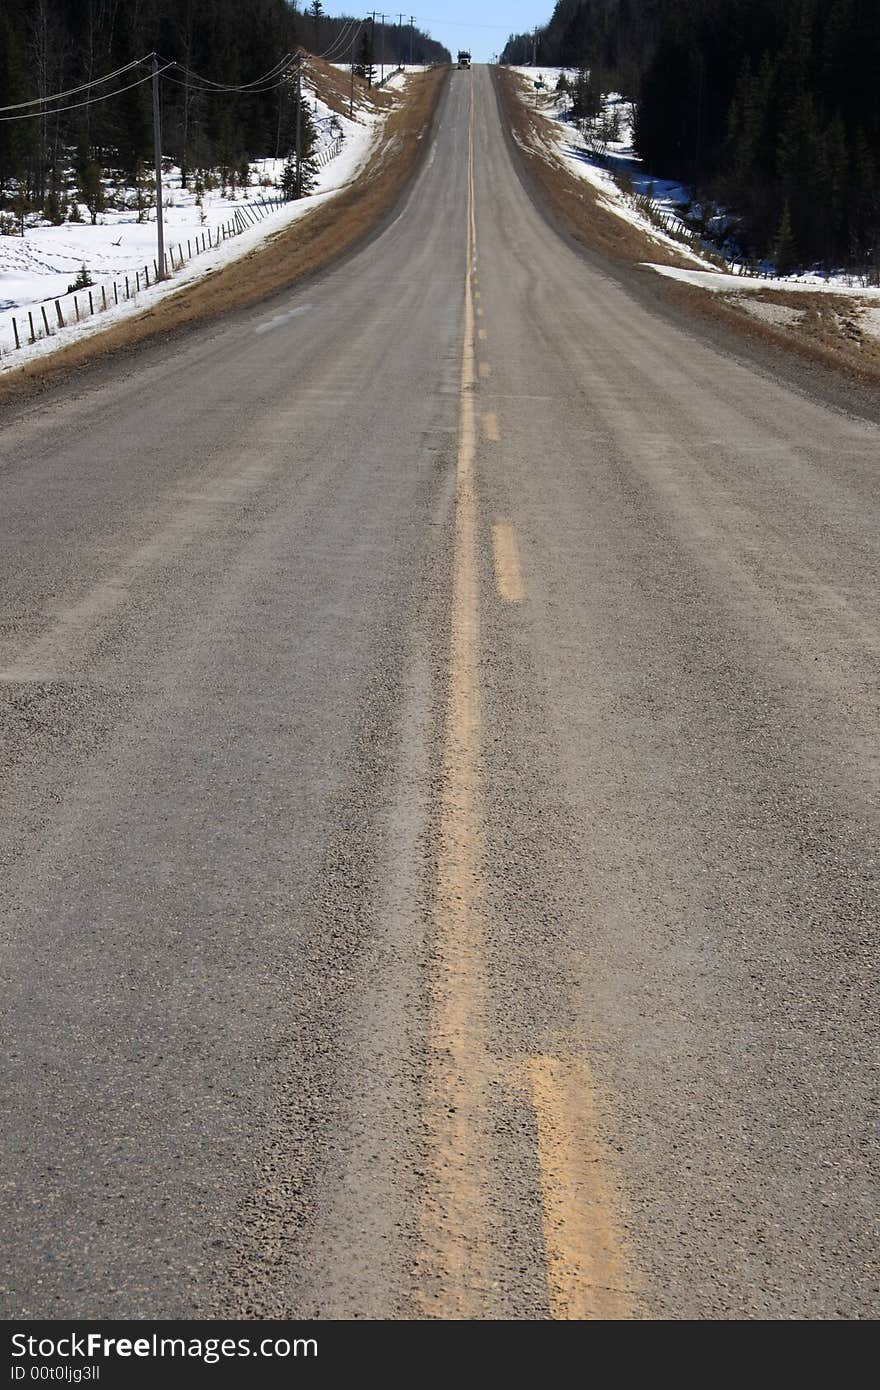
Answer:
[(299, 87), (400, 40), (157, 151), (373, 18), (534, 47), (351, 78), (382, 48), (412, 33)]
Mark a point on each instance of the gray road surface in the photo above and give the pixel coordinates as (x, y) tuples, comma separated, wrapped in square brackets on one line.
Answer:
[(375, 823)]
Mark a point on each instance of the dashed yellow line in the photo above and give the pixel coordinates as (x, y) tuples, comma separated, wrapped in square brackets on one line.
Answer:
[(586, 1275), (482, 335), (485, 370), (453, 1219), (508, 576)]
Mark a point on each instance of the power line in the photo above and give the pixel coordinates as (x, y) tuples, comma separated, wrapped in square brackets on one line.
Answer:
[(283, 75), (210, 85), (341, 41), (78, 105), (74, 91)]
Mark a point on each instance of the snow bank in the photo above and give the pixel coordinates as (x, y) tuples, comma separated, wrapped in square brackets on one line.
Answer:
[(719, 281), (40, 266)]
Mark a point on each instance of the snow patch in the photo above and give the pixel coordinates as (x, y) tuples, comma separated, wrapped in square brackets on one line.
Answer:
[(783, 315), (869, 322), (38, 268), (720, 282)]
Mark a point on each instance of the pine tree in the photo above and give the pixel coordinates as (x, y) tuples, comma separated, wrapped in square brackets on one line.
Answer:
[(144, 191), (364, 66), (288, 178), (91, 189), (784, 252), (316, 14), (308, 172)]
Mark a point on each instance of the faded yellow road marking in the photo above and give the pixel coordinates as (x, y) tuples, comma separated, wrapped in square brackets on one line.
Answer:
[(586, 1275), (453, 1218), (482, 335), (479, 313), (490, 427), (485, 370), (508, 578)]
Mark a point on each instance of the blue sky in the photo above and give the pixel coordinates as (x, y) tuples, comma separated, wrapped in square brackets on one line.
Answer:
[(482, 26)]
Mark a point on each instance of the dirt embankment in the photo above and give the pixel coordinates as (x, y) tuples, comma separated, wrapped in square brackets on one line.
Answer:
[(318, 238), (593, 224), (836, 331)]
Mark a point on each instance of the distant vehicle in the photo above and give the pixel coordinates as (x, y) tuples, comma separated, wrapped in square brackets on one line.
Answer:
[(464, 58)]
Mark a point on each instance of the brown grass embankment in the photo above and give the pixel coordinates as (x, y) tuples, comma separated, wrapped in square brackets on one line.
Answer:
[(828, 330), (320, 237)]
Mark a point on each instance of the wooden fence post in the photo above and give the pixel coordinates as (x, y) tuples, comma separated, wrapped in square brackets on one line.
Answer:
[(45, 321), (59, 313), (31, 320)]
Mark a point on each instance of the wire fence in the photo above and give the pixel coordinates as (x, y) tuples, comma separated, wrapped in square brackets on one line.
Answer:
[(54, 315), (383, 81)]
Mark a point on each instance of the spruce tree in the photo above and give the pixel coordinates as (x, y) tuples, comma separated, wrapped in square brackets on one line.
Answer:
[(308, 171), (91, 189), (784, 252), (364, 66), (316, 14)]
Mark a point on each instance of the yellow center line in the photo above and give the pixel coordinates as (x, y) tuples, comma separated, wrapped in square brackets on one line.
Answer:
[(485, 371), (490, 427), (586, 1274), (482, 335), (453, 1217), (508, 577)]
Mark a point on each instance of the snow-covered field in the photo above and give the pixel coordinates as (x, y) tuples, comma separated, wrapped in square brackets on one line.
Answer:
[(40, 266), (724, 283), (603, 162), (395, 78)]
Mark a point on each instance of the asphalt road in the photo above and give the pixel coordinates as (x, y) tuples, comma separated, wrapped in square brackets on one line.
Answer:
[(438, 803)]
